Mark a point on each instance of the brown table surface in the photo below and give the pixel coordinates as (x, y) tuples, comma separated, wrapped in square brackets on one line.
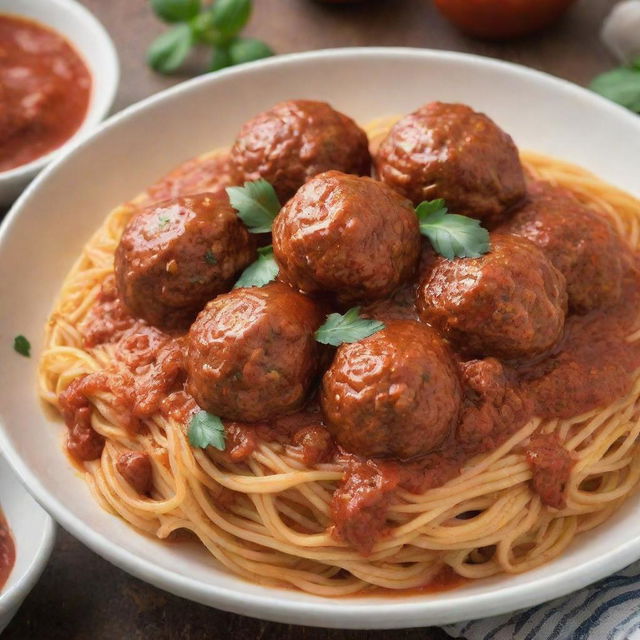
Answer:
[(82, 596)]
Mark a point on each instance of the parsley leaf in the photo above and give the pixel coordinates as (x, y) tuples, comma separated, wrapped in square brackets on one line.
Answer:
[(622, 85), (206, 430), (256, 203), (261, 272), (451, 235), (22, 346), (349, 327), (210, 257)]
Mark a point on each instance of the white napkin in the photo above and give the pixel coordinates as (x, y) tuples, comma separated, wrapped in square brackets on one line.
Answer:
[(606, 610)]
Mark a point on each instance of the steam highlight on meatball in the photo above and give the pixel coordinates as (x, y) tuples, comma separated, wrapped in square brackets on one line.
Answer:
[(394, 394), (251, 353), (173, 257), (297, 139), (348, 235), (450, 151), (510, 303)]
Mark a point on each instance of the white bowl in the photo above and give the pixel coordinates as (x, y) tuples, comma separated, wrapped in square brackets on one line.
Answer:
[(56, 215), (92, 42), (33, 533)]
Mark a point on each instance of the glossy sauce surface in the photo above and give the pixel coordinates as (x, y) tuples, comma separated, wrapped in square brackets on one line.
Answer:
[(7, 551), (45, 89)]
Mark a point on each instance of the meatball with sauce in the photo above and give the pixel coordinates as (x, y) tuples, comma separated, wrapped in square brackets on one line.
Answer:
[(348, 235), (510, 303), (175, 256), (581, 244), (252, 354), (393, 394), (297, 139), (450, 151)]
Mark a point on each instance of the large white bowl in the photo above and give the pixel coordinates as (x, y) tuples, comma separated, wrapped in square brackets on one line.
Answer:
[(54, 218), (33, 534), (90, 39)]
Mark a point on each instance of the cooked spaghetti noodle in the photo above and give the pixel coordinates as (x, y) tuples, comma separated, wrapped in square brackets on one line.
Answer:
[(275, 529)]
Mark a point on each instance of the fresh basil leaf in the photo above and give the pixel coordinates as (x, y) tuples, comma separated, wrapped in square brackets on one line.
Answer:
[(206, 430), (230, 16), (22, 346), (175, 10), (621, 85), (256, 203), (247, 50), (349, 327), (263, 271), (450, 234), (220, 59), (169, 50)]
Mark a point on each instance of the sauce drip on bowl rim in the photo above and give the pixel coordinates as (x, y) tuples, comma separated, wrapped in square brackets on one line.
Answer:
[(7, 551), (45, 88)]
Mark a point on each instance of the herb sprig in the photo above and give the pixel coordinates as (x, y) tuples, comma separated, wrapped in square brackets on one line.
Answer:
[(257, 204), (622, 85), (263, 271), (206, 430), (450, 234), (216, 26), (349, 327)]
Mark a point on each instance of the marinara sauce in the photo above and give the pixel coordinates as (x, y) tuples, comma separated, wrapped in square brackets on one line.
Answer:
[(45, 89), (7, 551)]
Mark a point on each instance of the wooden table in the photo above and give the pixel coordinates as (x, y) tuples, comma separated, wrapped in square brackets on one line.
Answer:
[(82, 596)]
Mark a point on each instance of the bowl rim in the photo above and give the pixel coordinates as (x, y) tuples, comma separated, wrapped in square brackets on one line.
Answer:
[(98, 107), (39, 554), (396, 612)]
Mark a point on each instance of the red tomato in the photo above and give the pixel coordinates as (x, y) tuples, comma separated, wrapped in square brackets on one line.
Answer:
[(501, 18)]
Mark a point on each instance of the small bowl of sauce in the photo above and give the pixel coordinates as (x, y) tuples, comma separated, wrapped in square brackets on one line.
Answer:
[(58, 77), (27, 535)]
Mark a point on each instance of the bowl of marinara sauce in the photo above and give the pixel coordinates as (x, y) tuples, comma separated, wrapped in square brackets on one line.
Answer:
[(27, 534), (58, 77)]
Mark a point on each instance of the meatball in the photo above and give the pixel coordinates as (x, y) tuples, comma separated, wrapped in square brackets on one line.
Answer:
[(297, 139), (510, 303), (251, 353), (349, 235), (175, 256), (393, 394), (450, 151), (581, 244)]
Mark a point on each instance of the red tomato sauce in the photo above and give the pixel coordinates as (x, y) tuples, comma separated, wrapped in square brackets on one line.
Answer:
[(7, 551), (45, 89)]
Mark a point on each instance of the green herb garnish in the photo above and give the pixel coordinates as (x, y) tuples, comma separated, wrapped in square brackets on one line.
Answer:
[(257, 204), (214, 25), (22, 346), (349, 327), (206, 430), (163, 221), (450, 234), (261, 272), (622, 85), (210, 257)]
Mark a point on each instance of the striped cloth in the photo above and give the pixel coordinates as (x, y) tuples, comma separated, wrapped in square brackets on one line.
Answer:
[(606, 610)]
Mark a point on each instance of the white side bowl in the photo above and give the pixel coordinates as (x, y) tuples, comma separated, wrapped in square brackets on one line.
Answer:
[(90, 39), (33, 534), (48, 226)]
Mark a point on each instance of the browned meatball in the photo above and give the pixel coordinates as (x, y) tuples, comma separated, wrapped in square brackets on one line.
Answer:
[(581, 244), (297, 139), (393, 394), (450, 151), (175, 256), (252, 353), (348, 235), (510, 303)]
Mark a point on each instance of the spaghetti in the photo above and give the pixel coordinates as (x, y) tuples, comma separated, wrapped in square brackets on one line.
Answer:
[(267, 518)]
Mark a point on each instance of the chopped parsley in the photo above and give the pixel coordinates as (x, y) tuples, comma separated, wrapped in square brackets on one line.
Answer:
[(206, 430), (210, 257), (264, 270), (22, 346), (257, 204)]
